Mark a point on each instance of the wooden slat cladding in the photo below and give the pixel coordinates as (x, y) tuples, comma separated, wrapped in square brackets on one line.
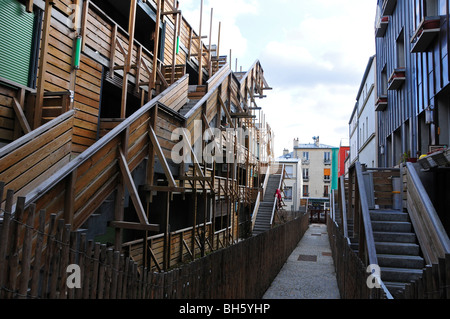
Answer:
[(7, 116), (31, 163), (178, 98), (87, 101), (59, 66)]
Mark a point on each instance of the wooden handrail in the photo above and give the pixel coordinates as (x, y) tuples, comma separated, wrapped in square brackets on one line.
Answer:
[(258, 198), (343, 206), (92, 150), (368, 232), (276, 200), (431, 234)]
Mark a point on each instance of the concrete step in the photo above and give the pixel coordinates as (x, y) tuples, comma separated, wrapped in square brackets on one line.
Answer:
[(388, 215), (391, 226), (397, 289), (394, 237), (403, 275), (397, 248), (400, 261)]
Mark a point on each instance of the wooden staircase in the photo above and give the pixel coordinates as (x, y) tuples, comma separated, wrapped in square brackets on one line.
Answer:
[(266, 207)]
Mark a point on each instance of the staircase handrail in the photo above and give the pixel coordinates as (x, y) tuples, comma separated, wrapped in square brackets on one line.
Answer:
[(96, 147), (343, 207), (430, 232), (258, 198), (368, 232), (276, 199)]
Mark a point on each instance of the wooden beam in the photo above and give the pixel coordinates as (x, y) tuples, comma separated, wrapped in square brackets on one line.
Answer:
[(161, 157), (29, 6), (155, 47), (128, 179), (114, 43), (225, 109), (131, 28), (154, 188), (43, 63), (21, 116), (135, 226), (200, 48)]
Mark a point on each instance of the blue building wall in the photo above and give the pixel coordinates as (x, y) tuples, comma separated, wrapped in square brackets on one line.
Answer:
[(402, 124)]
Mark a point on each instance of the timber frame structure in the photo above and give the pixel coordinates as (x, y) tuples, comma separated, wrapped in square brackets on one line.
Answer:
[(89, 138)]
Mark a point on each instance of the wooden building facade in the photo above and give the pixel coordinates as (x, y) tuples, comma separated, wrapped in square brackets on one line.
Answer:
[(412, 44), (88, 115)]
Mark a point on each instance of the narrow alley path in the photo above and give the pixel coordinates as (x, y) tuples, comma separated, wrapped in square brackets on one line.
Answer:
[(309, 271)]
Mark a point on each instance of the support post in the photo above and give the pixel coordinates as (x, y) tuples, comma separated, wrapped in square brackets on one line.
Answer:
[(155, 49), (200, 48), (127, 65), (43, 64)]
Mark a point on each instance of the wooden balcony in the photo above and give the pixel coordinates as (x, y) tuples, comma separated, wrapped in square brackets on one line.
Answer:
[(388, 6), (382, 26), (397, 79), (425, 34), (381, 103)]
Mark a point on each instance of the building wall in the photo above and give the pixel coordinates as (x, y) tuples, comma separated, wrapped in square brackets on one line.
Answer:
[(316, 167), (367, 150), (402, 125), (293, 181)]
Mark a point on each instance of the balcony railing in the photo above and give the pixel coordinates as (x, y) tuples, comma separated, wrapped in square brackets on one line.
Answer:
[(389, 6), (381, 103), (382, 26), (427, 31), (397, 79)]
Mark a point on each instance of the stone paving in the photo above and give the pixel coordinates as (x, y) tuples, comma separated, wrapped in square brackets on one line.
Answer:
[(309, 271)]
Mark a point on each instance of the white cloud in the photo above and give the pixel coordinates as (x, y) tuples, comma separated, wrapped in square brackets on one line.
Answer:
[(314, 54)]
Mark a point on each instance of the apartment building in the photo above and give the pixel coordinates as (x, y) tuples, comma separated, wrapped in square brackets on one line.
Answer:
[(293, 182), (319, 163), (363, 121), (413, 77)]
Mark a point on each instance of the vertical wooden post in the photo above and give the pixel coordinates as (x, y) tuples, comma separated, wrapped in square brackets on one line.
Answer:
[(177, 22), (69, 197), (127, 66), (42, 64), (166, 251), (155, 48), (200, 48), (120, 195), (113, 51), (210, 34)]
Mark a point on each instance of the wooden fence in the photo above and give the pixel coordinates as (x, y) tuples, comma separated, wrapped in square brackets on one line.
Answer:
[(350, 271), (37, 268)]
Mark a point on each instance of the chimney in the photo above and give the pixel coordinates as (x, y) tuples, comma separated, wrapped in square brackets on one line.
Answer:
[(316, 141), (296, 142), (285, 152)]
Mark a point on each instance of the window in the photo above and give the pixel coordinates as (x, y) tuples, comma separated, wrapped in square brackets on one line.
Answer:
[(306, 156), (288, 193), (289, 170), (326, 190), (401, 51), (384, 81), (19, 45), (327, 175), (306, 174), (327, 157), (305, 191), (431, 8)]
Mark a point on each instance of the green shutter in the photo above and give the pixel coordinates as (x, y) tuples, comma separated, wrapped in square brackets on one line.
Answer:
[(16, 34)]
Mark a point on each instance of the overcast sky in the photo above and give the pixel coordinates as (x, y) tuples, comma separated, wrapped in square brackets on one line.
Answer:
[(313, 52)]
